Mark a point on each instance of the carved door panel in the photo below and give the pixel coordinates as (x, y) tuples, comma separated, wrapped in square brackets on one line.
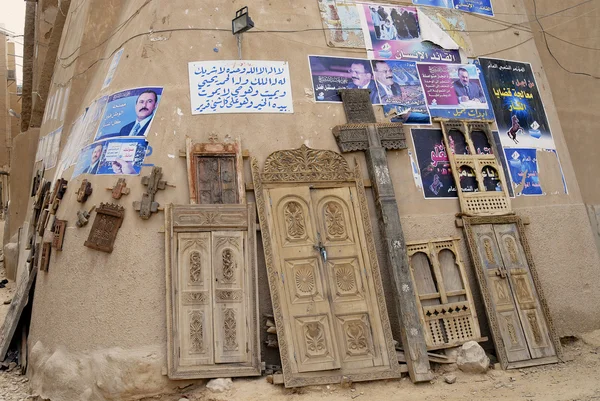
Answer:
[(306, 300), (216, 180), (345, 264), (229, 273), (194, 337), (527, 300), (501, 296), (211, 291)]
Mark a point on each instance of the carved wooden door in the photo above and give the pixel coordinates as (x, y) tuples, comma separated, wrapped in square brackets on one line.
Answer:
[(515, 308), (211, 281), (328, 295)]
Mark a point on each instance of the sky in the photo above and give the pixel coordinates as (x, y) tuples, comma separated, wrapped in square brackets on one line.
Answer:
[(12, 18)]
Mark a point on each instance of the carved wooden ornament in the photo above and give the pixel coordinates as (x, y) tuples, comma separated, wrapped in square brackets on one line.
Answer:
[(109, 218), (147, 205), (60, 227), (60, 187), (83, 217), (84, 191), (321, 261), (119, 189), (45, 256)]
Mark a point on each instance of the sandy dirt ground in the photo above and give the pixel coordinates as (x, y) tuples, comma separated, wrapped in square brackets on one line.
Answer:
[(577, 379)]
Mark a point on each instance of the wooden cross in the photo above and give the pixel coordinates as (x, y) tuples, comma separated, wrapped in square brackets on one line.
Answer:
[(363, 133), (84, 191), (147, 205), (119, 189)]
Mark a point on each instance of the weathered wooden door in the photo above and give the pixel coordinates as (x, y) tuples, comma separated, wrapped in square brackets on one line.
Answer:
[(325, 284), (211, 291), (522, 331)]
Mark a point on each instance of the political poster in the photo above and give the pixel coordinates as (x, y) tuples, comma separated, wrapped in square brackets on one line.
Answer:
[(523, 166), (114, 156), (437, 181), (112, 69), (517, 104), (400, 91), (341, 22), (93, 116), (483, 7), (455, 91), (129, 112), (52, 148), (392, 32), (240, 86), (329, 74)]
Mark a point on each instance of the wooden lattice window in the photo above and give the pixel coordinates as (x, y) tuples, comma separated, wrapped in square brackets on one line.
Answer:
[(444, 299), (482, 186)]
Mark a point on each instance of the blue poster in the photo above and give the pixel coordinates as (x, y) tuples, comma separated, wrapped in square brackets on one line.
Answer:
[(523, 166), (483, 7), (117, 156), (129, 113)]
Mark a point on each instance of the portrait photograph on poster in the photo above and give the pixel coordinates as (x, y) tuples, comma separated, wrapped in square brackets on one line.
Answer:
[(483, 7), (400, 91), (517, 104), (392, 32), (454, 91), (436, 174), (129, 113), (115, 156), (329, 74)]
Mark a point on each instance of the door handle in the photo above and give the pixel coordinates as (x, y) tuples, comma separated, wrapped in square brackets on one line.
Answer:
[(321, 249)]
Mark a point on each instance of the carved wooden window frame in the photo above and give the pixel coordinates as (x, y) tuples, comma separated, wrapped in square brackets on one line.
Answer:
[(194, 150), (116, 214), (446, 311), (480, 271), (483, 202), (208, 218), (319, 168)]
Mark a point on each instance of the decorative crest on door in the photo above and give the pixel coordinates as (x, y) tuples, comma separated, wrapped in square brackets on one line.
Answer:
[(306, 165)]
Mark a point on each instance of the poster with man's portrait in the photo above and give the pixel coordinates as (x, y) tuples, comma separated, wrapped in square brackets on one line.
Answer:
[(117, 156), (129, 113), (455, 91), (329, 74)]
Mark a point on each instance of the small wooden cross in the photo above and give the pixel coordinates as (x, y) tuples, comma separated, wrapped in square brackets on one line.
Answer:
[(84, 191), (119, 189), (147, 205), (363, 133)]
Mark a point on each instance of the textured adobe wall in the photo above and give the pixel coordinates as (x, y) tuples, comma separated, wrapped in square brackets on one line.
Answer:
[(90, 302)]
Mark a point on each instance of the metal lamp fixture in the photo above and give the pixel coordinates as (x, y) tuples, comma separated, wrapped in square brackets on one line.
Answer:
[(242, 21)]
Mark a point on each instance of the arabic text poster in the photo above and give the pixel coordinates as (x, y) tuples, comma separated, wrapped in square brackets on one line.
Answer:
[(517, 104), (434, 165), (454, 91), (240, 86), (434, 3), (112, 68), (453, 23), (329, 74), (392, 32), (523, 166), (341, 22), (483, 7), (130, 112), (52, 149)]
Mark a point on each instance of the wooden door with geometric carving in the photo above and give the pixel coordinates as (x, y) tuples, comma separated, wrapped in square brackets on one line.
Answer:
[(325, 283), (212, 291), (517, 311)]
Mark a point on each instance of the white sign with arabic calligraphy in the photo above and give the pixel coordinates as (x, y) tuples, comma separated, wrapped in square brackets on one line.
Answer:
[(240, 86)]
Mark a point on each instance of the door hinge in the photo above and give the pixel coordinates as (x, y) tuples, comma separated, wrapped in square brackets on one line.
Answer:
[(179, 351), (270, 201), (351, 197)]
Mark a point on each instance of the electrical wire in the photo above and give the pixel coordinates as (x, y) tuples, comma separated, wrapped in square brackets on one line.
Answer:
[(544, 33)]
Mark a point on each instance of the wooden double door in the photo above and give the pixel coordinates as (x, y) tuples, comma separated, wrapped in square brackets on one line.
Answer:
[(332, 313), (516, 308)]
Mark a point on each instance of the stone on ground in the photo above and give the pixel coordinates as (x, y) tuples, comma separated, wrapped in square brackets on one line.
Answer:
[(472, 358), (450, 379), (219, 385)]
